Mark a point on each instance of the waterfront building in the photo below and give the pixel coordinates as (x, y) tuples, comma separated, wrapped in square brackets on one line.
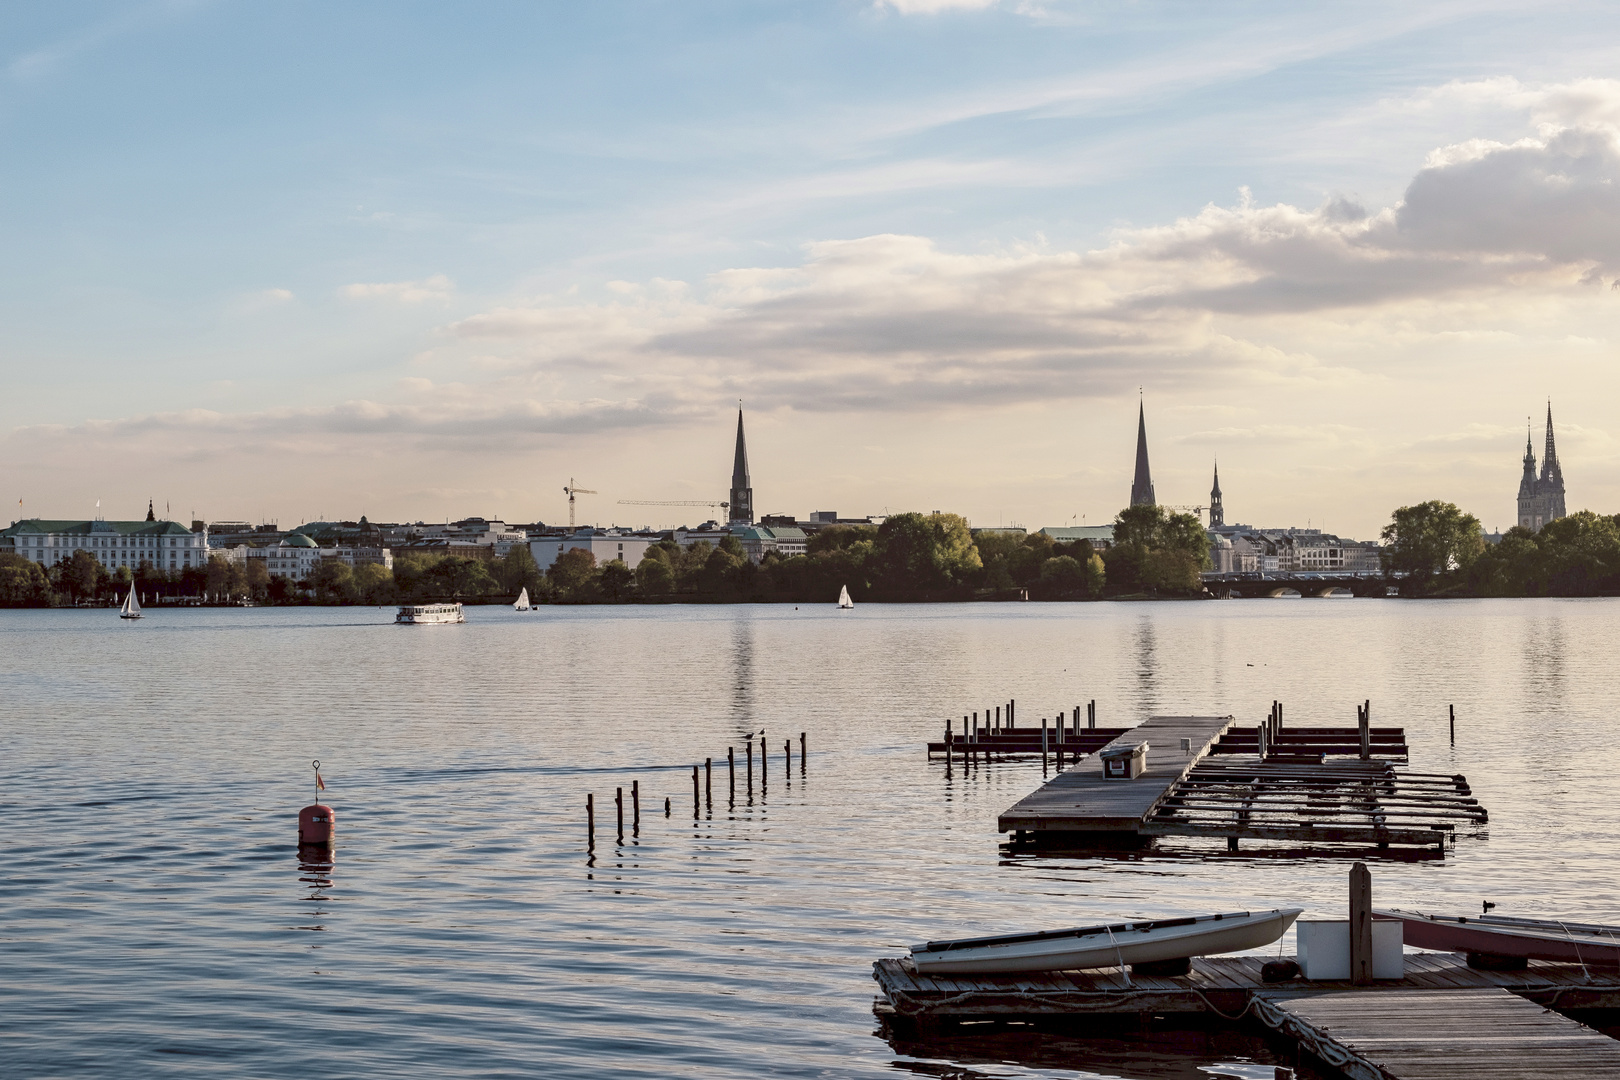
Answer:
[(1541, 498), (295, 557), (742, 493), (1142, 485), (1101, 536), (604, 544), (167, 545)]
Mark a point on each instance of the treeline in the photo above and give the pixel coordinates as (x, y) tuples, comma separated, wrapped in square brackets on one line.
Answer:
[(910, 557), (1440, 551)]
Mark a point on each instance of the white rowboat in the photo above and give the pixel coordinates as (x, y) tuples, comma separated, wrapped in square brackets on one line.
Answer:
[(1143, 942)]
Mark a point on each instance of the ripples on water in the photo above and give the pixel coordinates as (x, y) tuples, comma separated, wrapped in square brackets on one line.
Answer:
[(157, 918)]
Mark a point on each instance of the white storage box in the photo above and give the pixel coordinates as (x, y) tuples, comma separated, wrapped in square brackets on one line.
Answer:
[(1324, 949)]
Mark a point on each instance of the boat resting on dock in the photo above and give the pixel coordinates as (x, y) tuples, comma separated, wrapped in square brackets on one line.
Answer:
[(1156, 941), (1489, 939)]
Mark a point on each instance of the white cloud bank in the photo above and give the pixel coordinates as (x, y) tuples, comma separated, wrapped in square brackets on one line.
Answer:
[(1505, 250)]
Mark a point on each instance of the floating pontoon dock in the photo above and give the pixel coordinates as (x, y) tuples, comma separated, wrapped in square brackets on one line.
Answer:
[(1199, 782), (1443, 1020)]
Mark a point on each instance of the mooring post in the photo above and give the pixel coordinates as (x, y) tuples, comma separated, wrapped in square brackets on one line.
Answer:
[(1011, 706), (1260, 745), (731, 771), (801, 752), (1091, 714), (787, 757), (697, 801), (708, 782), (635, 805), (1043, 746), (666, 806), (590, 822), (1366, 732), (947, 741), (1361, 946), (1453, 709), (618, 803)]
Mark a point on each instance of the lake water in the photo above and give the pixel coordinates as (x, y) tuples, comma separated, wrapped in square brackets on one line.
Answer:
[(155, 919)]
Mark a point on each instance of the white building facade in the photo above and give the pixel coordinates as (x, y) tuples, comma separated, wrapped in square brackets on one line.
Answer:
[(604, 544), (167, 545)]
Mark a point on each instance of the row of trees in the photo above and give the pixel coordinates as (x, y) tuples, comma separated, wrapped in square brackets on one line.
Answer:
[(82, 579), (910, 556), (1440, 551)]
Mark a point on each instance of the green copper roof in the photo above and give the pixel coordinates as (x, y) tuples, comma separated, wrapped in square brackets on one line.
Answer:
[(39, 526)]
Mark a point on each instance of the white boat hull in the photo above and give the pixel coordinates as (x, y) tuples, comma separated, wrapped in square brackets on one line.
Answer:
[(430, 614), (1142, 942)]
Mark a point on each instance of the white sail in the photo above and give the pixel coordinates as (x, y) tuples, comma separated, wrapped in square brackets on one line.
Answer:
[(843, 598), (132, 606), (522, 600)]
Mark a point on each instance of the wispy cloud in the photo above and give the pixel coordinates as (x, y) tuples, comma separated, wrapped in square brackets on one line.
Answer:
[(435, 289)]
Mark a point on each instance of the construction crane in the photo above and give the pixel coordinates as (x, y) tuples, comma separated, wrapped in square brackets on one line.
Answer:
[(572, 491)]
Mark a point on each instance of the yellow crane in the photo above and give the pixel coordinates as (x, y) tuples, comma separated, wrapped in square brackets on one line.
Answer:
[(572, 491)]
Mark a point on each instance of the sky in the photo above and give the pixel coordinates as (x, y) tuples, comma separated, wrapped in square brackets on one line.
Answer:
[(308, 261)]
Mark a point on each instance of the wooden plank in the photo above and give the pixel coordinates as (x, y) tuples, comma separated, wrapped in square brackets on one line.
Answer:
[(1079, 799), (1441, 1035)]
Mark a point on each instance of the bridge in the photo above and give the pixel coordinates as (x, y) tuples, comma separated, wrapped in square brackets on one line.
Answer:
[(1251, 583)]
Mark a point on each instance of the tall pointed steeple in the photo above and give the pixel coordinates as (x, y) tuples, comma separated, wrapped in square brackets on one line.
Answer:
[(742, 495), (1142, 486), (1217, 515), (1527, 483), (1549, 458)]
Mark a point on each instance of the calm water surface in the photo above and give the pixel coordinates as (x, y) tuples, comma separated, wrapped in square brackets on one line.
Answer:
[(156, 919)]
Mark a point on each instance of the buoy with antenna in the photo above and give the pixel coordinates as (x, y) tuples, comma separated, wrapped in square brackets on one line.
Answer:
[(315, 820)]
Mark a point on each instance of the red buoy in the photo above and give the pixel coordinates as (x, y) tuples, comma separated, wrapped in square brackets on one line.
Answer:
[(315, 825), (315, 820)]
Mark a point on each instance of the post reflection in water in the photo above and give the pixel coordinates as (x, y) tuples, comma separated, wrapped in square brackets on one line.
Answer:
[(315, 862)]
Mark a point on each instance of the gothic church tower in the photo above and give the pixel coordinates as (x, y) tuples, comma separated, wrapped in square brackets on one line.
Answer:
[(742, 495), (1142, 486), (1541, 498)]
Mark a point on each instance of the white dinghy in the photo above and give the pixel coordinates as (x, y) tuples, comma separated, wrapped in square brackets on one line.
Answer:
[(843, 597), (522, 600), (1134, 943)]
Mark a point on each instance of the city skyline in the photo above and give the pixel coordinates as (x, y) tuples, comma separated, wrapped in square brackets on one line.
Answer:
[(389, 274)]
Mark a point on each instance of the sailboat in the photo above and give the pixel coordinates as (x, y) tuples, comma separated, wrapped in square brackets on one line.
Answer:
[(843, 597), (132, 606), (522, 600)]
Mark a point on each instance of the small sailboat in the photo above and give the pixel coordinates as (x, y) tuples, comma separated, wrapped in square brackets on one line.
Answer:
[(132, 606), (843, 597), (522, 600)]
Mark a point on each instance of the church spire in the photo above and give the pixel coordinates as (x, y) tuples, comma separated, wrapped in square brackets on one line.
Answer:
[(1142, 486), (1550, 470), (1217, 515), (742, 495)]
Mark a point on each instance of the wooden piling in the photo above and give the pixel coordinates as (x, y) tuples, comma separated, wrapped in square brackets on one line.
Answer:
[(1361, 946), (1453, 710), (708, 782), (666, 806), (731, 771), (590, 821), (618, 803), (787, 757), (1365, 724), (751, 766), (1043, 746), (802, 744), (635, 805), (1011, 704), (697, 800)]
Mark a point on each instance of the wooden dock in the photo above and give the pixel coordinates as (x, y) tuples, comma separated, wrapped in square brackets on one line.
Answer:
[(1080, 800), (1296, 795), (1222, 985), (1482, 1034)]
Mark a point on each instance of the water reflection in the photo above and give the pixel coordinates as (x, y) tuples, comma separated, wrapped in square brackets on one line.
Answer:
[(1146, 684), (315, 862)]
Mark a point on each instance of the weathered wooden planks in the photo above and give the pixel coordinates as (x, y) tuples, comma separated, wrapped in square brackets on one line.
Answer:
[(1406, 1034), (1079, 799)]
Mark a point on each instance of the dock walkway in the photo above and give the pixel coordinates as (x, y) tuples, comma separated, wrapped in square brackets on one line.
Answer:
[(1081, 800), (1441, 1035)]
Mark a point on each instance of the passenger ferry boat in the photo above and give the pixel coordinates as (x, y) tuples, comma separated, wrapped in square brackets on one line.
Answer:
[(430, 613)]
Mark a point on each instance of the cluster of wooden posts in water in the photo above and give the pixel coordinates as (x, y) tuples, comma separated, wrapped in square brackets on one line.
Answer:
[(999, 736), (702, 786)]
